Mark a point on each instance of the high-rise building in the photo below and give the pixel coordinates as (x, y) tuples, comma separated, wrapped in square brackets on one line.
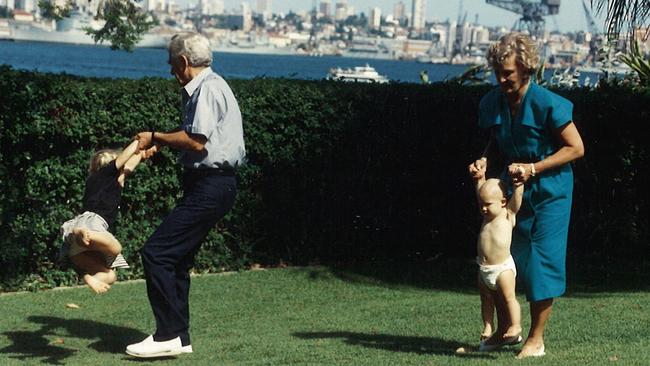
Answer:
[(399, 12), (418, 12), (326, 8), (263, 6), (341, 12), (375, 18), (211, 7)]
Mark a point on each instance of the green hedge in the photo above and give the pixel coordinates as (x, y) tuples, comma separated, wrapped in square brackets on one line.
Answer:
[(337, 172)]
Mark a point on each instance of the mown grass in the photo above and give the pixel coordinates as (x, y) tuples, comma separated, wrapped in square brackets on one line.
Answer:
[(314, 316)]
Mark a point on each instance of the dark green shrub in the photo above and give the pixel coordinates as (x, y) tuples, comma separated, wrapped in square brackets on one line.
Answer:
[(337, 172)]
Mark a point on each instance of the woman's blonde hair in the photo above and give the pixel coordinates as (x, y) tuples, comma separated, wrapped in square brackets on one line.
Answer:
[(101, 158), (518, 44)]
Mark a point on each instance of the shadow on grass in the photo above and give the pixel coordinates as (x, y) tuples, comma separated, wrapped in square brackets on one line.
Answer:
[(394, 343), (48, 343)]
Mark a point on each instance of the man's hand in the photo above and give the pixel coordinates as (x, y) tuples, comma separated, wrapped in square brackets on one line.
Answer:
[(144, 140)]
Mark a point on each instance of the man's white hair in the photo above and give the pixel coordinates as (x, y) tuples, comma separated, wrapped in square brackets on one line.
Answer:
[(192, 45)]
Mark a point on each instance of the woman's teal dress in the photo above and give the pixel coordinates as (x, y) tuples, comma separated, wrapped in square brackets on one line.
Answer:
[(540, 237)]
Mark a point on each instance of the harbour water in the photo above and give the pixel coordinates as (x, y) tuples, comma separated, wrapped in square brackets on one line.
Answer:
[(143, 62), (95, 61)]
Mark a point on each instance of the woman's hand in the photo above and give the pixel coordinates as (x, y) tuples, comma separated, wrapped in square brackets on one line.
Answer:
[(477, 168), (520, 172)]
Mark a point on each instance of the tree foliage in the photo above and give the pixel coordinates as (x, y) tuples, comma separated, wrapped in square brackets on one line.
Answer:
[(125, 25), (52, 11)]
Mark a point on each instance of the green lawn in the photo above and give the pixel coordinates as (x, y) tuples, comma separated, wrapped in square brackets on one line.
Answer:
[(314, 316)]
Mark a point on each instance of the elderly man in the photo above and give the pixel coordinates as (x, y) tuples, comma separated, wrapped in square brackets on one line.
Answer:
[(211, 143)]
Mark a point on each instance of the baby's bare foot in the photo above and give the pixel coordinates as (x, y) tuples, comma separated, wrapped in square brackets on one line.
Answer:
[(513, 331), (487, 332), (485, 335), (96, 285), (83, 235)]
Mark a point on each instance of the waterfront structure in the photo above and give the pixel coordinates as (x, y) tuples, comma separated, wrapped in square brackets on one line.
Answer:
[(418, 11), (154, 5), (10, 4)]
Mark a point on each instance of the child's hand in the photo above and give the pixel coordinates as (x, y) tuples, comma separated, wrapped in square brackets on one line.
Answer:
[(146, 154), (518, 174), (477, 169)]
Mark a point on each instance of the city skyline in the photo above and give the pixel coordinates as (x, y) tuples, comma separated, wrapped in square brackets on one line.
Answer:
[(571, 17)]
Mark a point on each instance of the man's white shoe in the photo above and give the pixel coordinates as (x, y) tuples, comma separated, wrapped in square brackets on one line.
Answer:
[(187, 349), (150, 348)]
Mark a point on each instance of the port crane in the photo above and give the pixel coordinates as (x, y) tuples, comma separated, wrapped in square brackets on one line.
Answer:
[(596, 40), (532, 13)]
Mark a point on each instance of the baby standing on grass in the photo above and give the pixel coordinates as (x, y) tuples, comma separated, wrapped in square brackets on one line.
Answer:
[(87, 242), (497, 270)]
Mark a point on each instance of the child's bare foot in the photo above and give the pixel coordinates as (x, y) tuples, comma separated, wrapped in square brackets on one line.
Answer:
[(83, 235), (512, 332), (96, 285)]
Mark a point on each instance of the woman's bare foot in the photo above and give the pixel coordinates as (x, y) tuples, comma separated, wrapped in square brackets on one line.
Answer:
[(96, 285), (532, 348), (83, 235)]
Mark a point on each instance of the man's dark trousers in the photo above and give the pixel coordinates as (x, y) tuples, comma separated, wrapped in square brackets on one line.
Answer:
[(169, 253)]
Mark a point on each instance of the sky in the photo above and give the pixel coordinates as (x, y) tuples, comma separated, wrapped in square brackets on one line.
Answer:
[(571, 17)]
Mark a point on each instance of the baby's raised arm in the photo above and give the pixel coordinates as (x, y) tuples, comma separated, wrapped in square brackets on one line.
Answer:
[(514, 204), (477, 170)]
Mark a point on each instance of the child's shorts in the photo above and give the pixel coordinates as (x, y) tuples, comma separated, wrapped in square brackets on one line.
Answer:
[(71, 246), (490, 272)]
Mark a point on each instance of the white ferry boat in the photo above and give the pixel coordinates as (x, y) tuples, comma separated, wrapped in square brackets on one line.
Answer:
[(360, 74)]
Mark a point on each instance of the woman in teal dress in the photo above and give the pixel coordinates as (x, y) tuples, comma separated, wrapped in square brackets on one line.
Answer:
[(535, 133)]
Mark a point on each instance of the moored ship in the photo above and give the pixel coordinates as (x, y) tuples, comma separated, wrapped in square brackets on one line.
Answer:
[(71, 30)]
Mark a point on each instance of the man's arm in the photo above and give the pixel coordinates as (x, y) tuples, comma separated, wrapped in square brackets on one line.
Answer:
[(178, 139)]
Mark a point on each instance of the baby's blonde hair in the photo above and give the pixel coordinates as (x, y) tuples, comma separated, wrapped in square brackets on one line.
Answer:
[(519, 44), (493, 187), (101, 158)]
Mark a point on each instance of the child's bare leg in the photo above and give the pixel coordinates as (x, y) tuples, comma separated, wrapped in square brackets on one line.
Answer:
[(506, 287), (101, 241), (93, 267), (487, 309)]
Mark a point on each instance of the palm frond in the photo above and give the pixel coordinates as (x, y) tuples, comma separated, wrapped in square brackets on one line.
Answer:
[(623, 15)]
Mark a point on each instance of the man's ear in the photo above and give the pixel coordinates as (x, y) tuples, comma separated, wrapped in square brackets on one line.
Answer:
[(182, 59), (504, 202)]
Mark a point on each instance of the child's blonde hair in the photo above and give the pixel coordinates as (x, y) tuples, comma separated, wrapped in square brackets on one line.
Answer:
[(101, 158)]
